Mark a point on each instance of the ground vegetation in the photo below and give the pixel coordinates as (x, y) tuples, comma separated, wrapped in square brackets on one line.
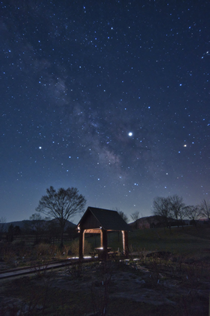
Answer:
[(163, 276)]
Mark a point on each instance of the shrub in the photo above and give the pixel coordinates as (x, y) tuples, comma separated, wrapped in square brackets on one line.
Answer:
[(74, 247), (43, 249)]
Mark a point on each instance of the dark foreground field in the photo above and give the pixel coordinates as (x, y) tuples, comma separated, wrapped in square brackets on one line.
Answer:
[(166, 274)]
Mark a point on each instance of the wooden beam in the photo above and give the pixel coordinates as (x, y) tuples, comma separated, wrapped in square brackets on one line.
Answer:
[(92, 231)]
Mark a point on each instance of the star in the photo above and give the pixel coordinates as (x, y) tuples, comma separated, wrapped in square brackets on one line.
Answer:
[(99, 103)]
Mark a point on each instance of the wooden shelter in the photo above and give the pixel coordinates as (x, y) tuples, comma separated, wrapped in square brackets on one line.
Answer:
[(100, 221)]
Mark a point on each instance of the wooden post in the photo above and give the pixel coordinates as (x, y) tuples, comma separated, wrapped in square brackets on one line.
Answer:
[(81, 244), (125, 242), (101, 236)]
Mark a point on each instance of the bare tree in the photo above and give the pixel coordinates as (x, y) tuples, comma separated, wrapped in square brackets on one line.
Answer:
[(205, 209), (192, 212), (36, 217), (61, 205), (161, 207), (123, 215), (135, 216), (177, 207)]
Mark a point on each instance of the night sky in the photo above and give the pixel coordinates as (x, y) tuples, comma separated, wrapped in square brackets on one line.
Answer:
[(110, 97)]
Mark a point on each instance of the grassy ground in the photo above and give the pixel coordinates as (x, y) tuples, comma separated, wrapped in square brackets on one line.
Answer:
[(71, 294), (180, 241), (187, 241), (81, 292), (54, 301)]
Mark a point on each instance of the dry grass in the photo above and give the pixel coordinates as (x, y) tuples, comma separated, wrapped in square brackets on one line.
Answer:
[(74, 247), (181, 276), (121, 288)]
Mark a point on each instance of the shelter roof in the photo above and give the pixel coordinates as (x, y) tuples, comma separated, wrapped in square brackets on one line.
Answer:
[(102, 218)]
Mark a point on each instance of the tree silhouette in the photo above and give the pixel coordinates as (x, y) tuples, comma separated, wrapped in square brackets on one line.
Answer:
[(205, 210), (135, 216), (193, 213), (61, 205), (177, 207), (161, 207), (123, 215)]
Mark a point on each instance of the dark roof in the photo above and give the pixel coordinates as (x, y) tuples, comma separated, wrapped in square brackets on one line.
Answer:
[(106, 219)]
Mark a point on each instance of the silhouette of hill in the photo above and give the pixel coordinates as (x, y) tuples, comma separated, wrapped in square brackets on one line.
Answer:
[(29, 224)]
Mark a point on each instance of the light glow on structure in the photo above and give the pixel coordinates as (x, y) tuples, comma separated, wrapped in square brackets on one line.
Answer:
[(123, 239)]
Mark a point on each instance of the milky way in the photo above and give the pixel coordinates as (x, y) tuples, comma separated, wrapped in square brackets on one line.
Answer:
[(111, 97)]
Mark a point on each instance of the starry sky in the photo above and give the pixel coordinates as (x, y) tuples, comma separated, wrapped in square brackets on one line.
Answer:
[(111, 97)]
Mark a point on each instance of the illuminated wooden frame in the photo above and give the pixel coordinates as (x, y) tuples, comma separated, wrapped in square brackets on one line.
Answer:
[(103, 239)]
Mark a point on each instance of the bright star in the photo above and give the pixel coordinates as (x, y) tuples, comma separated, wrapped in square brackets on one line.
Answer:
[(130, 134)]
